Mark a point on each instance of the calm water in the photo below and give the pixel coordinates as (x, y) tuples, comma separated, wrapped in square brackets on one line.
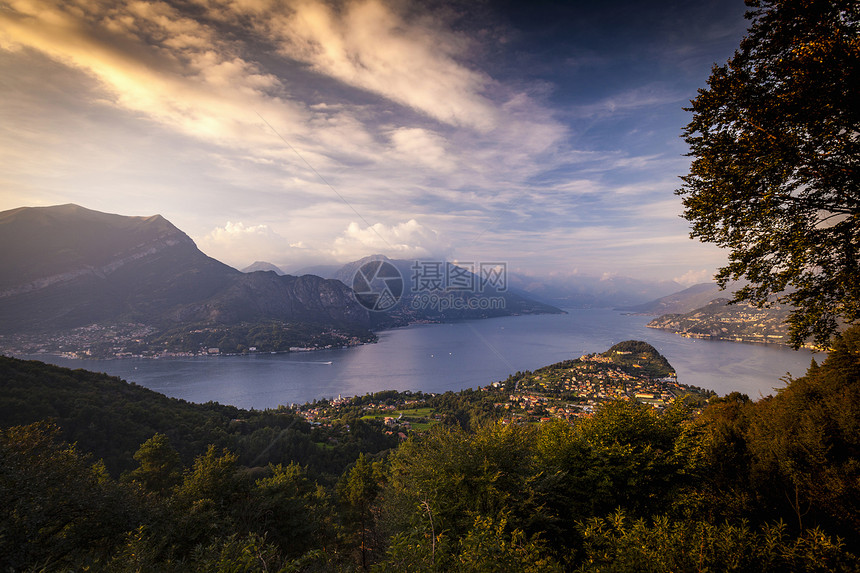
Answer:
[(440, 357)]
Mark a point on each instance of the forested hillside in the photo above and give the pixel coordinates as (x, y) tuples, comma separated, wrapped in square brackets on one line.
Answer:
[(772, 485)]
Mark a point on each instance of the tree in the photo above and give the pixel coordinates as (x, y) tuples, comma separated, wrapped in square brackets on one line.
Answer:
[(160, 466), (58, 510), (775, 139), (358, 489), (805, 443), (291, 509)]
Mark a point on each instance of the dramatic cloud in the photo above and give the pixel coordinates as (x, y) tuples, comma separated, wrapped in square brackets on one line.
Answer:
[(331, 128), (369, 45)]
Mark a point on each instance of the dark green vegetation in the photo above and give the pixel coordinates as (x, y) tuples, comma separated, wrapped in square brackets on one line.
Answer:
[(111, 418), (739, 322), (772, 485), (775, 177), (637, 357)]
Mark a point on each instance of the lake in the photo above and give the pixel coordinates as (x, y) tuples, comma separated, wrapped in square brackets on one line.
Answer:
[(454, 356)]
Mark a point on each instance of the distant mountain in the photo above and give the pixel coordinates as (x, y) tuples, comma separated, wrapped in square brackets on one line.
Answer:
[(263, 266), (564, 291), (324, 271), (67, 267), (588, 291), (739, 322), (680, 302), (419, 303)]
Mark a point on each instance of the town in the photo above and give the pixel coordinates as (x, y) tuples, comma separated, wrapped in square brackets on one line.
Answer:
[(568, 390), (137, 340)]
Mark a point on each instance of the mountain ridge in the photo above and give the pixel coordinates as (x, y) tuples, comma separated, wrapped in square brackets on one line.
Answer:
[(68, 267), (680, 302)]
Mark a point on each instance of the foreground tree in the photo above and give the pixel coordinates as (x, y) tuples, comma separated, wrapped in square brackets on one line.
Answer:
[(775, 138), (59, 511)]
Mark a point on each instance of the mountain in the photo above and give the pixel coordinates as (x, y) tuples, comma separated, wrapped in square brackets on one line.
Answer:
[(565, 291), (264, 266), (469, 298), (680, 302), (66, 267), (324, 271)]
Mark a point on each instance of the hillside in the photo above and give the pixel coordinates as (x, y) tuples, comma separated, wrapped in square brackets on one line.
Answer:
[(720, 320), (640, 358), (71, 275), (110, 418), (680, 302), (522, 475)]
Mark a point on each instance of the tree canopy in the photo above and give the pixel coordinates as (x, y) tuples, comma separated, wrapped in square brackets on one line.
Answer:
[(733, 485), (775, 139)]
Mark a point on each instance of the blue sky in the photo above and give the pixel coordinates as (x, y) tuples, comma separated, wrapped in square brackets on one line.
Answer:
[(544, 134)]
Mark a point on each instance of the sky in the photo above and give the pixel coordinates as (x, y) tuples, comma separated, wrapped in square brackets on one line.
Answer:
[(299, 132)]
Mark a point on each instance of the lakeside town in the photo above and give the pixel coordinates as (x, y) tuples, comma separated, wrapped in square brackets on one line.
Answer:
[(568, 390), (137, 340)]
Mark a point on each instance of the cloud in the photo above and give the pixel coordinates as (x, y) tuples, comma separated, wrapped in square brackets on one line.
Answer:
[(239, 245), (403, 240), (187, 74), (422, 146), (647, 96), (692, 277), (152, 59), (369, 45), (369, 110)]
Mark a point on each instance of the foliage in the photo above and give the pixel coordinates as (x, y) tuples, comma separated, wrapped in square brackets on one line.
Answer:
[(58, 508), (357, 491), (619, 544), (805, 441), (159, 469), (112, 418), (449, 475), (775, 176), (636, 356), (743, 485)]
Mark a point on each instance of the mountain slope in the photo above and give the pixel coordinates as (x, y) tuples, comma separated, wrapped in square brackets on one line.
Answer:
[(680, 302), (65, 267), (720, 320)]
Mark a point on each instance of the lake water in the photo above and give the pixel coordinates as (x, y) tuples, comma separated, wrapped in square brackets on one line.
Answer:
[(440, 357)]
